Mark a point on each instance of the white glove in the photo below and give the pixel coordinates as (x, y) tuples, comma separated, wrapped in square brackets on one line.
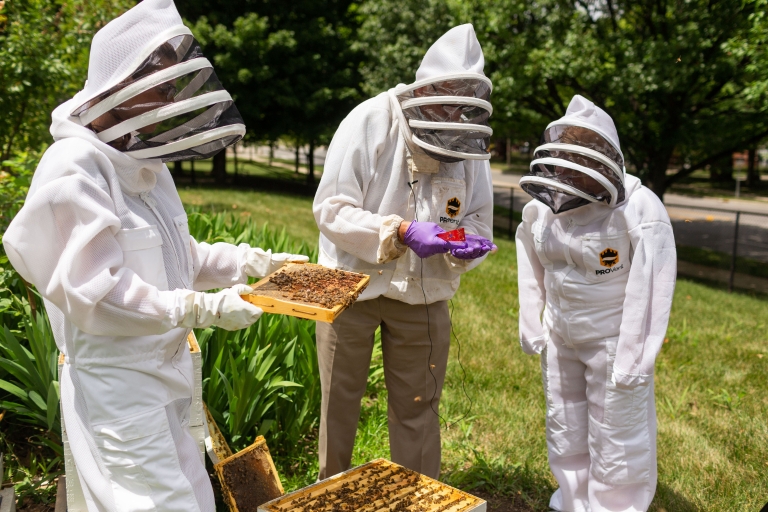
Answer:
[(260, 263), (225, 309)]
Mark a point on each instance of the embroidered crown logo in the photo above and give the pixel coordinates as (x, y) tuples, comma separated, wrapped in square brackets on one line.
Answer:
[(609, 257), (453, 207)]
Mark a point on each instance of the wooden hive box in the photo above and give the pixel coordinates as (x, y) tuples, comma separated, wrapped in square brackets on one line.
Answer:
[(249, 478), (378, 486), (268, 296)]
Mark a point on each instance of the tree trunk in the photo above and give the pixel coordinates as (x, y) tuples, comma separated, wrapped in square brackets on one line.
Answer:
[(311, 162), (297, 157), (178, 170), (219, 171), (656, 179), (271, 151), (753, 172), (508, 152), (721, 171)]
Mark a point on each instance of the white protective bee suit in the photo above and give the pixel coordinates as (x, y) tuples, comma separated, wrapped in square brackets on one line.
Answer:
[(596, 269), (377, 175), (104, 238)]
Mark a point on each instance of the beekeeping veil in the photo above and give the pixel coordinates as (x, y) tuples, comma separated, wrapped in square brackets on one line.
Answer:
[(446, 109), (579, 161), (150, 92)]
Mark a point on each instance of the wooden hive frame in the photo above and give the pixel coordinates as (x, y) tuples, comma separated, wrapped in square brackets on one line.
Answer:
[(281, 306), (257, 471), (429, 494)]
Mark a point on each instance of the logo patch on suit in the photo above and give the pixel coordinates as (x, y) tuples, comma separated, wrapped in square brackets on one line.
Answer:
[(453, 207), (609, 257)]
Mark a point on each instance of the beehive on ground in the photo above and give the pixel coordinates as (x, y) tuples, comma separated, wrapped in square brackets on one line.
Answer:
[(306, 290), (249, 478), (377, 486)]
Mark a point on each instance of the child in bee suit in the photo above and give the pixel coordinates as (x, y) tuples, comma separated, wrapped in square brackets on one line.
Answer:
[(596, 270), (403, 167), (104, 238)]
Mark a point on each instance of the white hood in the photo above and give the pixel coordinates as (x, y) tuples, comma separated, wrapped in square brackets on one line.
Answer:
[(457, 52), (582, 112), (119, 47), (445, 111)]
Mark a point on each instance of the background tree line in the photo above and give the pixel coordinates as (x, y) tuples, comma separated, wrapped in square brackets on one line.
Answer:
[(686, 82)]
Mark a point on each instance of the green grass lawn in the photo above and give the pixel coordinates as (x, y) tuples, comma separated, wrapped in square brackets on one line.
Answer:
[(711, 382)]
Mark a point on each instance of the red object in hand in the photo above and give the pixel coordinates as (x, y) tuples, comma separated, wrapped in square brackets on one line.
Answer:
[(457, 235)]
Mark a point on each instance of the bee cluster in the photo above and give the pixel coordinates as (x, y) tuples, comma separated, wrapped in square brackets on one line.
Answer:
[(381, 488), (324, 286)]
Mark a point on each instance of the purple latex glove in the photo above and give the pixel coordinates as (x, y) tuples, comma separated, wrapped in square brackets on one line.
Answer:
[(422, 238), (477, 246)]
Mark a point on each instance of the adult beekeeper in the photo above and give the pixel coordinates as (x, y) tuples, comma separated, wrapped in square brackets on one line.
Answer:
[(402, 168), (104, 238), (596, 270)]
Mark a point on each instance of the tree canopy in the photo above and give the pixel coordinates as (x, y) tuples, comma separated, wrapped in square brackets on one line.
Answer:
[(291, 67), (686, 82)]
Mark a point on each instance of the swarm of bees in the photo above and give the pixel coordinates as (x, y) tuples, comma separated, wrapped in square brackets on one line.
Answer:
[(324, 286)]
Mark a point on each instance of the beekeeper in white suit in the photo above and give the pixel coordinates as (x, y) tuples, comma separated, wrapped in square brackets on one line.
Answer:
[(596, 270), (402, 168), (104, 238)]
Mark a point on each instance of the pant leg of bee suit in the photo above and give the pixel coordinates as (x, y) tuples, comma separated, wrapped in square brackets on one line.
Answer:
[(591, 424), (344, 354)]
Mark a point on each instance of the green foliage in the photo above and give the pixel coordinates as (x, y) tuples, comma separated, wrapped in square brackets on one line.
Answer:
[(31, 375), (686, 82), (394, 36), (14, 184), (43, 62), (262, 380), (291, 66)]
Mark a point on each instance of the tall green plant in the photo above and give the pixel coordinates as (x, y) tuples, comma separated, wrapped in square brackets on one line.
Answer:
[(30, 376), (262, 380)]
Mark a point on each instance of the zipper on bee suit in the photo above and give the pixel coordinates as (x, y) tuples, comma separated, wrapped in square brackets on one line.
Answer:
[(151, 204)]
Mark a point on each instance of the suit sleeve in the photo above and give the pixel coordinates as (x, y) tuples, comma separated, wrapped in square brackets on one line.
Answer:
[(219, 265), (530, 283), (649, 291), (63, 241), (349, 168)]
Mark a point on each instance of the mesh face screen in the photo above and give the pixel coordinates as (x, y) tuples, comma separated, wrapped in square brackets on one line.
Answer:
[(172, 107), (584, 137), (557, 201), (466, 102)]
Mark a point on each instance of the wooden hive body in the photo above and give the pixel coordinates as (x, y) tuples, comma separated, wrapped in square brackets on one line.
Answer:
[(266, 296), (249, 478), (377, 486)]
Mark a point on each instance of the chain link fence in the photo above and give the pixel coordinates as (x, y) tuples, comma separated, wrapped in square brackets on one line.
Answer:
[(721, 245)]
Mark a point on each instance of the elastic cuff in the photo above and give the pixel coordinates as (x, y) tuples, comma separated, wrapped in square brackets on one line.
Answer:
[(630, 380), (533, 346), (390, 247)]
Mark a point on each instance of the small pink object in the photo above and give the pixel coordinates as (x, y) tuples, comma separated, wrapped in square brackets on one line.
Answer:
[(457, 235)]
